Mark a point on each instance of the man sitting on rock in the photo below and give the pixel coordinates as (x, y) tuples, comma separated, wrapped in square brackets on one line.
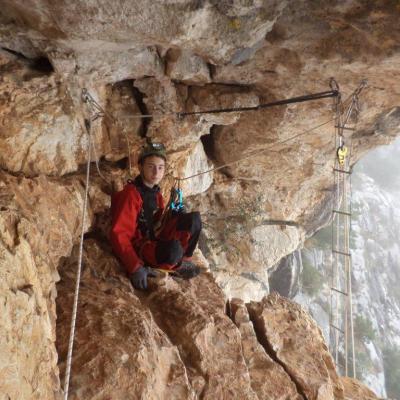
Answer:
[(136, 210)]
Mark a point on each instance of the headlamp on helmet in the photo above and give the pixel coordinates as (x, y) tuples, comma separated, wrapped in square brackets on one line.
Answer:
[(153, 149)]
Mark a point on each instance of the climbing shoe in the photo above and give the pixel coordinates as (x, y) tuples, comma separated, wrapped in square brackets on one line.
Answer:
[(186, 270)]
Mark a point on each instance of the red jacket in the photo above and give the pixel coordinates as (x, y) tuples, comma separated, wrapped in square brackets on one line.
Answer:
[(125, 234)]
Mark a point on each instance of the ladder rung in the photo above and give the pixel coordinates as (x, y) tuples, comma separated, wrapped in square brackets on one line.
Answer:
[(342, 171), (345, 127), (341, 212), (335, 327), (339, 291), (341, 252)]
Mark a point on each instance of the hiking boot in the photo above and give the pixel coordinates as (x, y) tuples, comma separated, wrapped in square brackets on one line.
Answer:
[(186, 270)]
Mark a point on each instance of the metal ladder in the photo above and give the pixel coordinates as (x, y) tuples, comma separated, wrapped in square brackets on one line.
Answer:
[(341, 327)]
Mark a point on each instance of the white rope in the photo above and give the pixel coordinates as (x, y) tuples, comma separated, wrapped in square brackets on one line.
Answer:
[(96, 159), (78, 276)]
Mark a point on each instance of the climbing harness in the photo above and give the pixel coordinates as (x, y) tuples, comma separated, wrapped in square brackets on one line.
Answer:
[(341, 307)]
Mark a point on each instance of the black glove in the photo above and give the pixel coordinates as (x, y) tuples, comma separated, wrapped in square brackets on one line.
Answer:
[(139, 278)]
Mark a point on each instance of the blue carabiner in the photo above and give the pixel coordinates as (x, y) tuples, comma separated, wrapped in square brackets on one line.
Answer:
[(178, 206)]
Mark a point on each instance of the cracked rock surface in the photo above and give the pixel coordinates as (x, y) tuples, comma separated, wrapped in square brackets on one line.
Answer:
[(177, 340)]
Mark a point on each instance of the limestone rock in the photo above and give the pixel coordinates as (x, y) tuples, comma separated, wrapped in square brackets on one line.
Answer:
[(268, 379), (163, 98), (190, 163), (119, 351), (39, 125), (229, 54), (193, 315), (297, 343), (116, 30), (102, 61), (174, 341), (304, 49), (42, 123), (121, 124), (355, 390), (166, 98), (39, 222), (187, 67), (270, 242), (214, 97)]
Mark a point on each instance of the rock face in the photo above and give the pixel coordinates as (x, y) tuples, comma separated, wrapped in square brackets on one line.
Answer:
[(299, 346), (40, 130), (93, 33), (177, 341), (354, 391), (190, 56), (174, 342), (268, 378), (144, 64), (119, 351), (29, 254)]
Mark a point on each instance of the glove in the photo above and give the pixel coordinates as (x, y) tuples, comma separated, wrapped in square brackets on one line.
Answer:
[(139, 278)]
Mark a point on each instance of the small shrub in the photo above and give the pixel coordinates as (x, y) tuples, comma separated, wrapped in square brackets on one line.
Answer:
[(363, 364), (311, 279), (322, 239), (363, 329), (391, 363)]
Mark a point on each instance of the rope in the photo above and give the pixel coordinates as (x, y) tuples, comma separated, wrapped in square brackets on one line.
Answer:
[(79, 268)]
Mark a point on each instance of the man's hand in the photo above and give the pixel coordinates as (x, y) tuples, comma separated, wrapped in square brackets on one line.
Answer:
[(139, 278)]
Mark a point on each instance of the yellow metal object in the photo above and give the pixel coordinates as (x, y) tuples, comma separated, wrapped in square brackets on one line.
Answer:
[(341, 154), (235, 24), (164, 271)]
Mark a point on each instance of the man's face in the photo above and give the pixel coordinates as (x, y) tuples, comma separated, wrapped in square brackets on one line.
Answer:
[(152, 170)]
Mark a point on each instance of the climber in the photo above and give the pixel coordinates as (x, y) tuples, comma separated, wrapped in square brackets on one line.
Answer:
[(136, 212)]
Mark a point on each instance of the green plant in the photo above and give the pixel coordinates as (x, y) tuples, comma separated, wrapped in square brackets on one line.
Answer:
[(311, 279), (363, 364), (391, 363), (363, 329), (322, 239)]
